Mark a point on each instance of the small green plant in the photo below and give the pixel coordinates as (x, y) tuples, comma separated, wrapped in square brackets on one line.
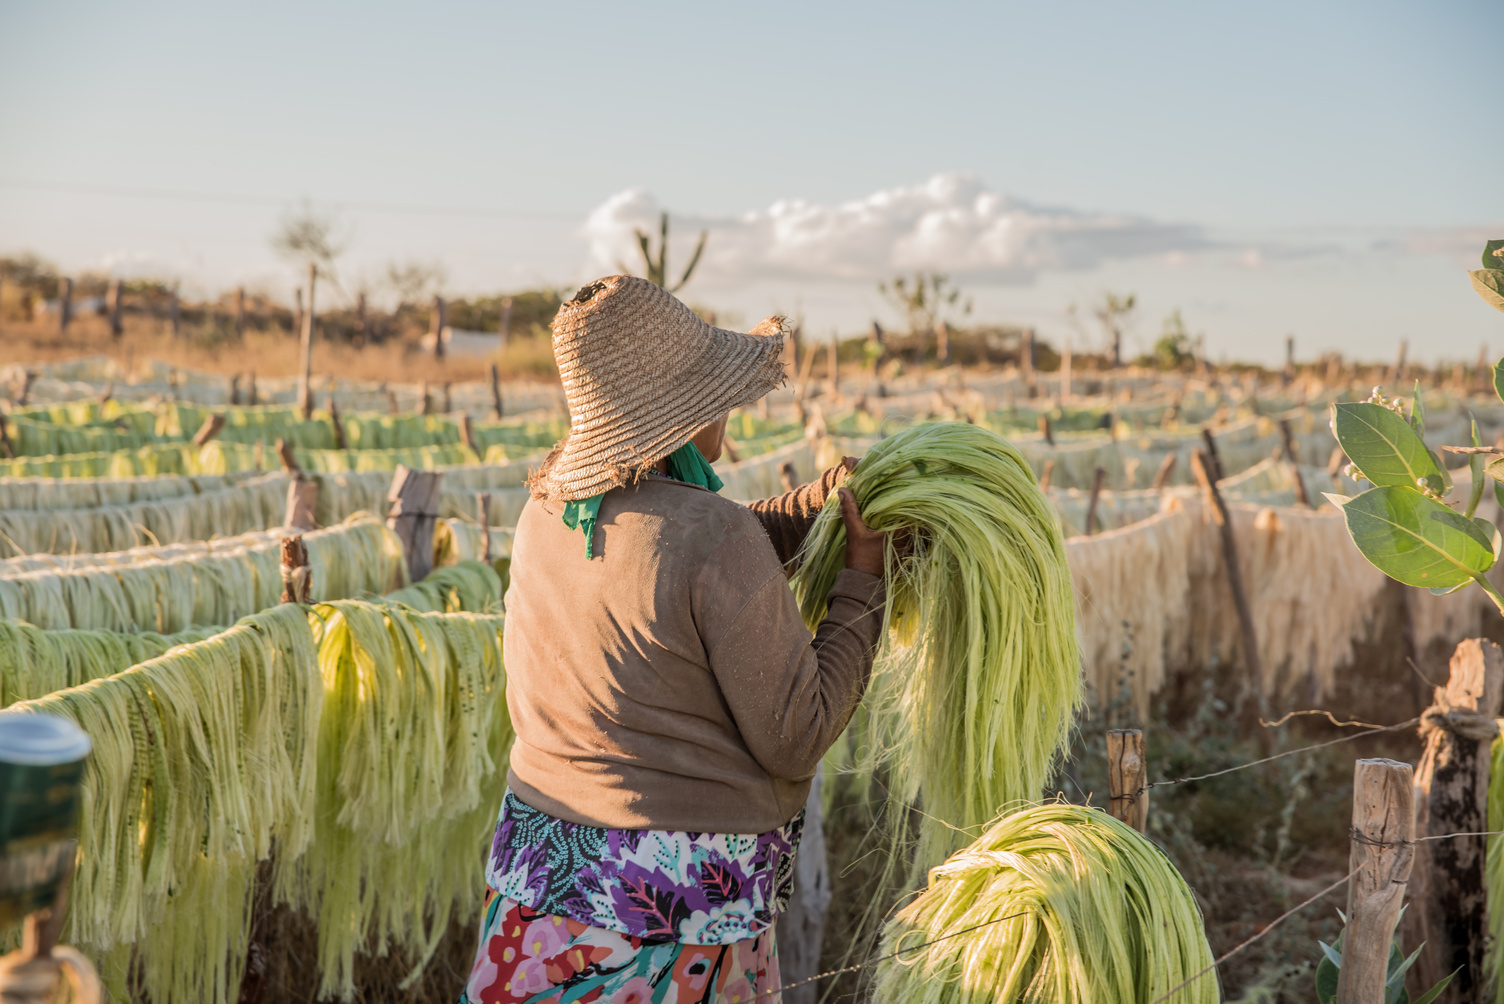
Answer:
[(1405, 525), (1330, 967)]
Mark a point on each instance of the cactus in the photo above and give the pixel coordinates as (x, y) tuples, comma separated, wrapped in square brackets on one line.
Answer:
[(658, 270)]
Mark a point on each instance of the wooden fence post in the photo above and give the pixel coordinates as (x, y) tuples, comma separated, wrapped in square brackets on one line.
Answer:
[(1214, 469), (1383, 847), (1026, 362), (801, 927), (289, 462), (1047, 474), (235, 390), (115, 305), (1098, 476), (305, 382), (788, 476), (297, 575), (437, 321), (414, 515), (64, 305), (339, 427), (250, 397), (1046, 430), (1201, 466), (174, 312), (359, 336), (504, 326), (495, 393), (302, 502), (6, 449), (1448, 893), (211, 428), (1166, 468), (1288, 437), (483, 510), (467, 432), (239, 312), (1127, 776)]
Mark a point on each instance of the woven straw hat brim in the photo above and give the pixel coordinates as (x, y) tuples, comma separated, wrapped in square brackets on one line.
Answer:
[(642, 374)]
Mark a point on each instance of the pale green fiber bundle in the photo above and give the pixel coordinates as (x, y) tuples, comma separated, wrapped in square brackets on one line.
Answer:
[(465, 587), (461, 540), (202, 758), (979, 676), (1102, 918), (402, 826), (34, 662), (83, 493)]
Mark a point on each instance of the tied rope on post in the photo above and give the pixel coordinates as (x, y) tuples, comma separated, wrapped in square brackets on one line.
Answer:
[(297, 574)]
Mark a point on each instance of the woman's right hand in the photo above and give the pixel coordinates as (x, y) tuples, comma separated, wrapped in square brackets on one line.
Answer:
[(864, 545)]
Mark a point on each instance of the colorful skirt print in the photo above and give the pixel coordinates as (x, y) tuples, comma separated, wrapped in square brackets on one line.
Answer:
[(526, 957)]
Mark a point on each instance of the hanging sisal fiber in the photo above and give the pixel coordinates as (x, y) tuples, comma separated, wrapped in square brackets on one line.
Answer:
[(464, 587), (150, 594), (979, 677), (401, 826), (458, 540), (34, 662), (1096, 914), (84, 493), (202, 759)]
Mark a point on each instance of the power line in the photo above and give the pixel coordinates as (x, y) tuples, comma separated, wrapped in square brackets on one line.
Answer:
[(223, 198)]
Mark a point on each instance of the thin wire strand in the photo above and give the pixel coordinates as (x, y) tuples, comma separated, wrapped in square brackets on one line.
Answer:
[(1318, 711), (890, 955)]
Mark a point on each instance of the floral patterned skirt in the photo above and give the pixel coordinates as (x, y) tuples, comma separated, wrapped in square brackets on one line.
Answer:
[(526, 957)]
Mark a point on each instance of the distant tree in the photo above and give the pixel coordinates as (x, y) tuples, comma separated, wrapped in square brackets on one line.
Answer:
[(657, 267), (1114, 312), (1173, 347), (926, 300), (414, 281), (308, 238)]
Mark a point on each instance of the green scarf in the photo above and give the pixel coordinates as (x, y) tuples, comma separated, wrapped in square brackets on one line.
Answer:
[(686, 464)]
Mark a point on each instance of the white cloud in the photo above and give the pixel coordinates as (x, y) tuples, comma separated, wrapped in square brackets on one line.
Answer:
[(950, 223)]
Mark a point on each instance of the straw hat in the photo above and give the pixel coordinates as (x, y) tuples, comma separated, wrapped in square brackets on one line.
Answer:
[(642, 374)]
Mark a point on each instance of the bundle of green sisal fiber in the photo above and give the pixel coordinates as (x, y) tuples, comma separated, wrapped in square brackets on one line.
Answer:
[(978, 678), (464, 587), (1057, 903)]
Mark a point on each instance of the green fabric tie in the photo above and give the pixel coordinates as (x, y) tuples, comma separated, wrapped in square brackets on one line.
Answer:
[(685, 464)]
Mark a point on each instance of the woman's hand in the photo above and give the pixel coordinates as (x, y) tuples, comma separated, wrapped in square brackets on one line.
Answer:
[(864, 545)]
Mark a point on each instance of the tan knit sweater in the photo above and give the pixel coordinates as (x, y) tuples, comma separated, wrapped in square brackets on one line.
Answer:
[(669, 682)]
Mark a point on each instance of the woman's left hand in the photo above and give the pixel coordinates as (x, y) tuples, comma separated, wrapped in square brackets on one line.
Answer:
[(864, 546)]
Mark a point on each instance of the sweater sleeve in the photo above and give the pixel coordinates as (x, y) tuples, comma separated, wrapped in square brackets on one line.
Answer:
[(790, 694), (787, 518)]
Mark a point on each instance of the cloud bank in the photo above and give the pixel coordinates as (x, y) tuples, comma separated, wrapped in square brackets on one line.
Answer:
[(951, 223)]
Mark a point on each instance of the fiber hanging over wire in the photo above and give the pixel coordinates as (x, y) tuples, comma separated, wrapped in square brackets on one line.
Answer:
[(1078, 908), (978, 678)]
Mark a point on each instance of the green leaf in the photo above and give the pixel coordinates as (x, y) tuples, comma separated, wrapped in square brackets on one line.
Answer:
[(1495, 469), (1499, 494), (1493, 254), (1383, 446), (1489, 283), (1327, 973), (1435, 992), (1417, 412), (1417, 540)]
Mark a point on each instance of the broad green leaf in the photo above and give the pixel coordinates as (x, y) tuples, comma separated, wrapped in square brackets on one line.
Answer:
[(1495, 469), (1417, 540), (1499, 494), (1499, 379), (1327, 974), (1489, 282), (1493, 254), (1383, 447), (1417, 415)]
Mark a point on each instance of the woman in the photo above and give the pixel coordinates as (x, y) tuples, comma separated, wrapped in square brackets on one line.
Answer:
[(669, 703)]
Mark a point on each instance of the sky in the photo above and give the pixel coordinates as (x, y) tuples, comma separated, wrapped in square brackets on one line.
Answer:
[(1323, 170)]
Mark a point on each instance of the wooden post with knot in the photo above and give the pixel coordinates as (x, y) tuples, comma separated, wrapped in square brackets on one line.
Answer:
[(1128, 777), (211, 428), (302, 502), (415, 497), (483, 510), (1383, 848), (297, 575), (1448, 892)]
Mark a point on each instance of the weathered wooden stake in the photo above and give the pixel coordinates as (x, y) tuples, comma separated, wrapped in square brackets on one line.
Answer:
[(1166, 468), (339, 427), (801, 927), (448, 400), (1293, 458), (504, 328), (6, 449), (240, 312), (788, 476), (1046, 474), (235, 389), (1127, 776), (414, 514), (115, 304), (302, 503), (1212, 454), (64, 305), (305, 382), (483, 510), (467, 432), (289, 464), (1097, 477), (250, 397), (495, 393), (427, 408), (359, 337), (1046, 430), (211, 428), (437, 322), (1448, 892), (1201, 467), (1383, 848), (297, 575)]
